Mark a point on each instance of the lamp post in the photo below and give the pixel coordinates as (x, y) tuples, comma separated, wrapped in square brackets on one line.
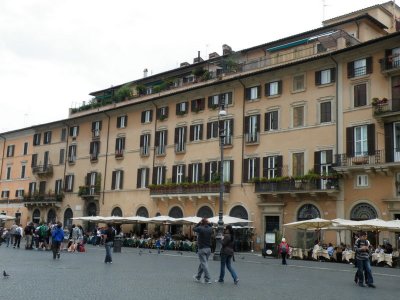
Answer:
[(220, 228)]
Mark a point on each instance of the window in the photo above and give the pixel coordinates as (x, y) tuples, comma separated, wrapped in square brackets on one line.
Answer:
[(47, 137), (178, 173), (147, 116), (298, 116), (62, 156), (323, 161), (211, 171), (145, 145), (397, 184), (5, 194), (197, 105), (10, 150), (251, 169), (142, 178), (182, 108), (58, 187), (63, 134), (42, 187), (272, 166), (196, 132), (362, 181), (74, 131), (228, 171), (117, 180), (36, 139), (188, 79), (212, 130), (25, 148), (360, 140), (252, 129), (122, 121), (8, 174), (273, 88), (359, 67), (34, 160), (96, 128), (195, 172), (72, 153), (69, 183), (19, 193), (325, 76), (215, 101), (161, 142), (326, 112), (23, 171), (162, 113), (298, 83), (253, 93), (298, 164), (180, 139), (226, 98), (271, 120), (94, 150), (32, 188), (227, 128), (360, 95), (92, 183), (119, 147), (159, 175)]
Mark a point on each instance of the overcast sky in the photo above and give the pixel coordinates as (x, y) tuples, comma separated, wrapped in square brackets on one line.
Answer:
[(53, 53)]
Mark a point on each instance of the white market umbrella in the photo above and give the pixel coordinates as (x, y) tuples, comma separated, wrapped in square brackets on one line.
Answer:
[(315, 224), (90, 218), (371, 225), (162, 219), (394, 225), (136, 219), (188, 220), (228, 220), (6, 218)]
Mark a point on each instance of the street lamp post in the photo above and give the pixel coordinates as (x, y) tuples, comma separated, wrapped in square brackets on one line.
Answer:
[(220, 228)]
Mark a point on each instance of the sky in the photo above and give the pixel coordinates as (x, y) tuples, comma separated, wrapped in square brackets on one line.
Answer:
[(53, 53)]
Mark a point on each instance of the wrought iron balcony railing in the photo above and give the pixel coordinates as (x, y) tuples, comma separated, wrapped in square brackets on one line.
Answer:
[(187, 188), (295, 186)]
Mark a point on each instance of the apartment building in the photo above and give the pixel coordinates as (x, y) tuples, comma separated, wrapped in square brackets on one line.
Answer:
[(311, 130)]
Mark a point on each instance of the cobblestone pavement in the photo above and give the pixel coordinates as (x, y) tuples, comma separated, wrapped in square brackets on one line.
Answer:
[(34, 275)]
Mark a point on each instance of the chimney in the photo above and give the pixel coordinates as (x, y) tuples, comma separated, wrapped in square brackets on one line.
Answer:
[(198, 58), (184, 64), (226, 49), (213, 55), (145, 73)]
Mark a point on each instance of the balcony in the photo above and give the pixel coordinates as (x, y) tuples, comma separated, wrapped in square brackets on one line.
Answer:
[(47, 200), (384, 108), (119, 154), (190, 191), (91, 192), (325, 185), (342, 160), (43, 170), (390, 64)]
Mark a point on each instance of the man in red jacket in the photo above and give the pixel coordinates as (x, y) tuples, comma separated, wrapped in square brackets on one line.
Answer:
[(283, 250)]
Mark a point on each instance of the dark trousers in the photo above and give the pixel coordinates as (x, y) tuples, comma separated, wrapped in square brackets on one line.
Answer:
[(17, 240), (284, 254), (364, 266), (56, 249)]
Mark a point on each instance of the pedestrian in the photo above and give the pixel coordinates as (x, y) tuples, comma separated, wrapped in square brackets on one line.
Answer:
[(361, 247), (109, 235), (283, 250), (227, 255), (204, 232), (13, 229), (57, 235), (28, 231), (18, 236)]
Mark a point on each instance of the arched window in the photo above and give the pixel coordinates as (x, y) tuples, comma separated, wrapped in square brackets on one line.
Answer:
[(36, 216), (51, 216), (363, 211), (116, 212), (176, 212), (68, 215), (239, 212), (308, 211), (158, 214), (142, 212), (92, 209), (205, 212)]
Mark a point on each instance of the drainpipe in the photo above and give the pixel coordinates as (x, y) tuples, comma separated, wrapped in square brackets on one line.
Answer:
[(155, 130), (337, 104), (243, 133), (2, 156), (106, 162)]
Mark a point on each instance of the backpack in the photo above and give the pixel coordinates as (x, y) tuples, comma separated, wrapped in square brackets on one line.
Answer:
[(43, 231), (284, 248)]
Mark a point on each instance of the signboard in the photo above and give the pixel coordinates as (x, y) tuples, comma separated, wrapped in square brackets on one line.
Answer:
[(270, 238)]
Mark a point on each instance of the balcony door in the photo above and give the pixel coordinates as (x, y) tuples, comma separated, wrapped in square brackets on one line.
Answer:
[(396, 137), (396, 90)]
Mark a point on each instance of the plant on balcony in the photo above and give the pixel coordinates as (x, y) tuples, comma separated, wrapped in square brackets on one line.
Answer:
[(162, 117), (123, 93), (206, 76), (198, 72), (82, 190), (379, 102), (141, 89)]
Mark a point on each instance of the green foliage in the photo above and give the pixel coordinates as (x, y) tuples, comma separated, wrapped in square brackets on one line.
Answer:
[(123, 93)]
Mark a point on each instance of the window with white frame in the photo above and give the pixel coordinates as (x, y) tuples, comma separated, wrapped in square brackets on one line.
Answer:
[(196, 132), (58, 187), (180, 139), (360, 67), (227, 172), (271, 120), (251, 169), (72, 153), (5, 194), (119, 146), (325, 76), (19, 193), (252, 128), (117, 180), (362, 180), (147, 116), (122, 121), (272, 166), (143, 178), (298, 116), (10, 150), (299, 83), (74, 131), (36, 139), (298, 164), (145, 144), (182, 108), (273, 88), (23, 171), (361, 140), (8, 174), (159, 175), (25, 151), (325, 112), (47, 137), (96, 128), (32, 188), (69, 183), (161, 142), (178, 173), (228, 131), (397, 184), (212, 130), (360, 94), (195, 172), (253, 92)]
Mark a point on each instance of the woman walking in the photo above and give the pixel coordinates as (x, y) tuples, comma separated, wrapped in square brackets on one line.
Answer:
[(227, 255)]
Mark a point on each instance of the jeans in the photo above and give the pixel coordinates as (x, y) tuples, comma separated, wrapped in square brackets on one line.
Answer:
[(55, 246), (108, 246), (364, 265), (17, 240), (226, 260), (284, 254), (204, 254)]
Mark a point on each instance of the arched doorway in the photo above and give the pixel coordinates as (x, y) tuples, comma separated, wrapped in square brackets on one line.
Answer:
[(91, 210), (68, 215), (176, 212), (307, 212), (242, 235), (365, 211), (239, 212), (205, 212), (142, 227), (116, 212), (36, 216), (51, 216)]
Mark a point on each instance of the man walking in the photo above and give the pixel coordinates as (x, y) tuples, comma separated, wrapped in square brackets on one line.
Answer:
[(109, 241), (361, 248), (57, 235), (204, 232)]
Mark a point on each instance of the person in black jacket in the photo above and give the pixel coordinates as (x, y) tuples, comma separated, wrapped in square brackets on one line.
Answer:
[(109, 235), (204, 232), (227, 255)]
